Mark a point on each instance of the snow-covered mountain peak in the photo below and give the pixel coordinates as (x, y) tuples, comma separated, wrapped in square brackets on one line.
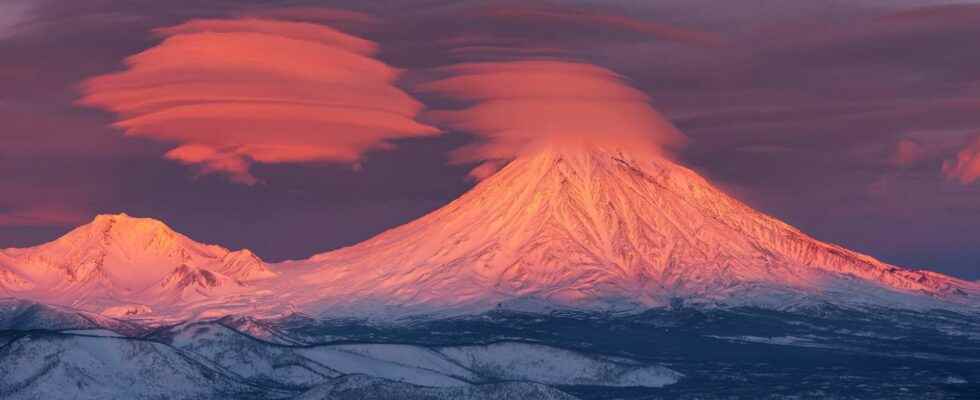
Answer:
[(138, 236), (572, 226), (125, 222), (124, 218), (579, 225), (245, 266), (127, 258)]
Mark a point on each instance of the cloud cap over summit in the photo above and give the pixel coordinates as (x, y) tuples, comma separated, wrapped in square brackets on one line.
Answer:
[(520, 105)]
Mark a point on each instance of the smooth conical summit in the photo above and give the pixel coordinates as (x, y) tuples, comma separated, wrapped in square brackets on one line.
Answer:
[(590, 226)]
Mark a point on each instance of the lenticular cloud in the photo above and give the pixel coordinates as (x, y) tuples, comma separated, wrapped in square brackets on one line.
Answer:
[(231, 93), (524, 104)]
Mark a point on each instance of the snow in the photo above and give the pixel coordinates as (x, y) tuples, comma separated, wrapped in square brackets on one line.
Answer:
[(590, 229), (86, 367), (416, 356), (305, 366), (12, 282), (93, 332), (126, 310), (127, 266), (549, 365), (27, 315), (259, 330), (774, 340), (560, 228), (245, 356), (599, 229), (352, 363)]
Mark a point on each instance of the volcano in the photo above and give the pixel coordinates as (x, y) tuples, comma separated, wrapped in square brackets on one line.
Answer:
[(579, 227), (596, 227), (118, 259)]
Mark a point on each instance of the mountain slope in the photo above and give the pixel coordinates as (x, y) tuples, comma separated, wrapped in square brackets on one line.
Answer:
[(273, 365), (117, 259), (59, 366), (594, 227), (581, 227), (25, 315)]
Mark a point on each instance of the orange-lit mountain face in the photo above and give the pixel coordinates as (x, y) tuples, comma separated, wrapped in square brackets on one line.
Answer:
[(576, 226), (586, 226), (116, 259)]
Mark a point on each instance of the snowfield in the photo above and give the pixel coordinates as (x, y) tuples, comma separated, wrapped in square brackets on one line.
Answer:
[(589, 228), (573, 272), (304, 366), (209, 360), (660, 354), (55, 366), (524, 361)]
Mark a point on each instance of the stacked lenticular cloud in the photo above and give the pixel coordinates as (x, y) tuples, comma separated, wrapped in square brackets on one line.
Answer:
[(234, 92)]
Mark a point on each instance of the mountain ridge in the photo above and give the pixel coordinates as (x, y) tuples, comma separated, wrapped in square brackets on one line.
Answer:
[(589, 228), (118, 258)]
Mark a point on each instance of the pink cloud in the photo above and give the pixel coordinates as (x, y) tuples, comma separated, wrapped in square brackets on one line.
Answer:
[(230, 93), (292, 30), (965, 167), (525, 104)]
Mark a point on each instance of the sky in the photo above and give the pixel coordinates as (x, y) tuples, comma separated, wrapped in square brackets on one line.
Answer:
[(297, 127)]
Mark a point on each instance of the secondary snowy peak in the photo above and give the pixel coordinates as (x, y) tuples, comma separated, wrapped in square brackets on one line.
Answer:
[(122, 257), (245, 266), (591, 226)]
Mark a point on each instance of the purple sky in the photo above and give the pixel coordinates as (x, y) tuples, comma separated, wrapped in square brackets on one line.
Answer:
[(835, 116)]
